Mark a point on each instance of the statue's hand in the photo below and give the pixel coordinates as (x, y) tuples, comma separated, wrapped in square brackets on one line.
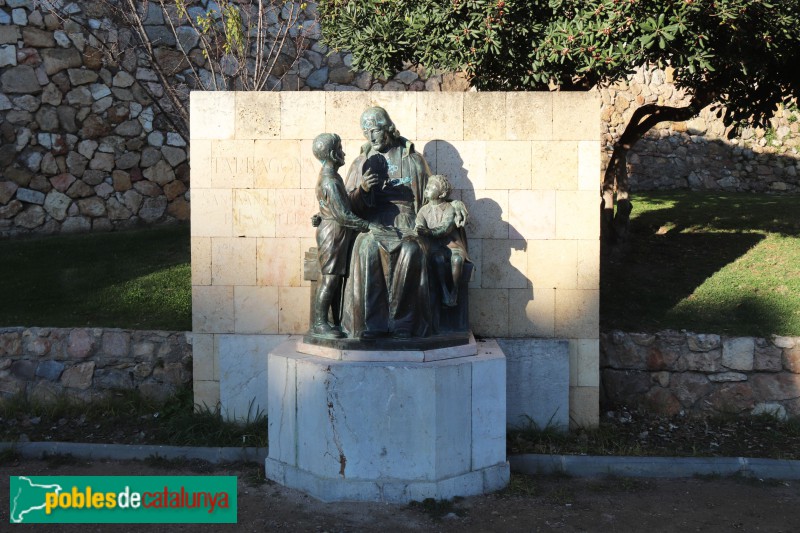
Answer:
[(460, 214), (423, 231), (369, 180), (316, 220)]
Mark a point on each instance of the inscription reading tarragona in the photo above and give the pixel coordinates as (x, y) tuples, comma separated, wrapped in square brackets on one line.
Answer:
[(255, 165)]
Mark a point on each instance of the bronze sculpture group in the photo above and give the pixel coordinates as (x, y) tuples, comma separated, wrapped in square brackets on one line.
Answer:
[(391, 245)]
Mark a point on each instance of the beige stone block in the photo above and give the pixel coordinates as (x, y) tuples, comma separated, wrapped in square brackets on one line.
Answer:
[(488, 312), (305, 244), (302, 114), (213, 115), (485, 116), (310, 167), (277, 164), (212, 309), (488, 214), (206, 394), (428, 149), (508, 165), (588, 362), (589, 264), (294, 309), (532, 214), (529, 116), (293, 209), (255, 310), (204, 357), (201, 260), (531, 313), (553, 264), (577, 214), (504, 264), (476, 256), (258, 115), (253, 213), (584, 407), (440, 116), (577, 313), (576, 116), (343, 113), (352, 149), (202, 164), (212, 213), (463, 162), (555, 165), (233, 164), (402, 108), (589, 172), (233, 261), (280, 262)]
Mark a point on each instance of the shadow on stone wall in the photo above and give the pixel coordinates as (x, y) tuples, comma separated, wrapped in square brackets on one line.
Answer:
[(495, 246), (697, 162)]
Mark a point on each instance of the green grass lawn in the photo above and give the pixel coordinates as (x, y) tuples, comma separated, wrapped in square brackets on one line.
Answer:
[(136, 279), (714, 263)]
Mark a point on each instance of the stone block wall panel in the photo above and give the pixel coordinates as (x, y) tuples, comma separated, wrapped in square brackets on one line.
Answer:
[(700, 374)]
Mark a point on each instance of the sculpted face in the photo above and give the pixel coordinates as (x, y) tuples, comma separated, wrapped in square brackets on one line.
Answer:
[(378, 137), (432, 191), (377, 128), (338, 154)]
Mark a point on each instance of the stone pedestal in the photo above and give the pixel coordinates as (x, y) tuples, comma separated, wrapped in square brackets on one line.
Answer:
[(390, 430)]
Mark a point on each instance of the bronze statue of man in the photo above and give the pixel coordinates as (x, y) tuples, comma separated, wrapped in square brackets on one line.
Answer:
[(387, 292)]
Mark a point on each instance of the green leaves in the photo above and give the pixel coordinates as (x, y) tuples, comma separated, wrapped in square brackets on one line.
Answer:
[(746, 50)]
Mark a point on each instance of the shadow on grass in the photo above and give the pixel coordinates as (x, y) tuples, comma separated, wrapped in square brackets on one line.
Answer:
[(706, 262), (710, 212), (136, 279), (639, 291)]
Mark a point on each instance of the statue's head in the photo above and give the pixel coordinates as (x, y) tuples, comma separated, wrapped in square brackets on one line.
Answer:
[(378, 128), (438, 187), (328, 146)]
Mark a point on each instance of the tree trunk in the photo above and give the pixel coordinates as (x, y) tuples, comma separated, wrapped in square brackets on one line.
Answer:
[(615, 191)]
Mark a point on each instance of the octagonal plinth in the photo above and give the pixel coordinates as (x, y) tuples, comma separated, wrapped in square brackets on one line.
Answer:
[(387, 431)]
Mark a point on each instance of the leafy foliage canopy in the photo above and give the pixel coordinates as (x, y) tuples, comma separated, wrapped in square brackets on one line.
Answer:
[(742, 53)]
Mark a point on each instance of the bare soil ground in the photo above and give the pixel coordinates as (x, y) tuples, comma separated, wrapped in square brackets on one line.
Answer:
[(530, 504)]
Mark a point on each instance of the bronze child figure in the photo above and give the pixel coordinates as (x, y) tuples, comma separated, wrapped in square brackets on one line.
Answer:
[(440, 223), (333, 232)]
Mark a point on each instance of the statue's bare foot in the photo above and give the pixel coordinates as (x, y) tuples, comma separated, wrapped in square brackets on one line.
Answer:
[(324, 330), (369, 335), (402, 334)]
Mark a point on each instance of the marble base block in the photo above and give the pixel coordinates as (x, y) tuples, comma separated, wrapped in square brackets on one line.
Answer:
[(387, 431)]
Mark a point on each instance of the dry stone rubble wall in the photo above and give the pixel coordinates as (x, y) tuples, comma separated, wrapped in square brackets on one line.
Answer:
[(697, 154), (672, 372), (84, 364)]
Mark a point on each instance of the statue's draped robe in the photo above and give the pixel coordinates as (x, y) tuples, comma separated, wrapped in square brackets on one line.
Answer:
[(387, 289)]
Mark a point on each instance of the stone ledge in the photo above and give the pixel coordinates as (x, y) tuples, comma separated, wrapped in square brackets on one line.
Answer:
[(387, 354)]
